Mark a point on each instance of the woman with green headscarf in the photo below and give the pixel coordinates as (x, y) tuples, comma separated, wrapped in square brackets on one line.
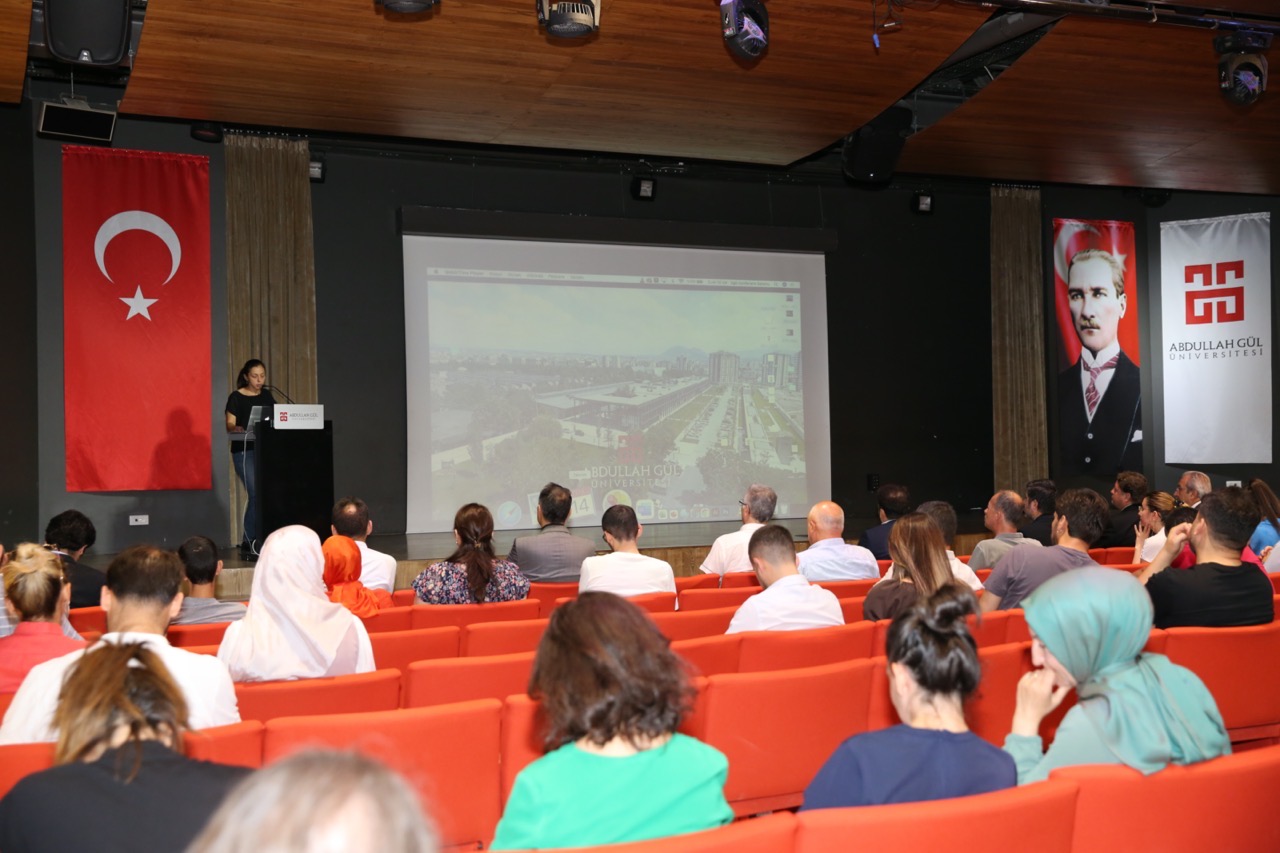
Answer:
[(1088, 628)]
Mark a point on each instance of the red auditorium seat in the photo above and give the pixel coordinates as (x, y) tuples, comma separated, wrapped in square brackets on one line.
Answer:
[(343, 694), (848, 589), (404, 597), (655, 602), (450, 754), (883, 565), (1275, 581), (714, 599), (19, 759), (1224, 804), (1036, 817), (1237, 665), (88, 619), (777, 728), (5, 699), (989, 629), (439, 682), (1098, 555), (502, 638), (438, 615), (1118, 556), (763, 651), (736, 580), (237, 743), (389, 619), (185, 636), (398, 649), (687, 624), (710, 655), (204, 650), (768, 834), (545, 594), (699, 581), (852, 609)]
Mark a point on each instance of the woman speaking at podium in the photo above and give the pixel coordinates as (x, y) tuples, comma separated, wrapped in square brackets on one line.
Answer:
[(250, 391)]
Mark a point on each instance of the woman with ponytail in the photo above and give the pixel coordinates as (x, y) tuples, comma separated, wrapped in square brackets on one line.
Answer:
[(932, 666), (472, 574), (121, 782)]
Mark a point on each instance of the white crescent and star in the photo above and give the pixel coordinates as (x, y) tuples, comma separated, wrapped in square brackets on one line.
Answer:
[(137, 220)]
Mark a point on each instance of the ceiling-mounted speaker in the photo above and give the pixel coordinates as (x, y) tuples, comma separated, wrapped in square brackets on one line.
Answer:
[(75, 120), (88, 32), (870, 153)]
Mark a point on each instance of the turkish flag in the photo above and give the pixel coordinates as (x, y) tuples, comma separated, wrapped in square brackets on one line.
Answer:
[(136, 341)]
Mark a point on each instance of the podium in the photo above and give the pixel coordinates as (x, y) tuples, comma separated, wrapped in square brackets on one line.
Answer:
[(293, 471)]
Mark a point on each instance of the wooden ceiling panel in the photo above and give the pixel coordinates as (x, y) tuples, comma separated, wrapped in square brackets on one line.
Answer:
[(15, 28), (1111, 103), (657, 80)]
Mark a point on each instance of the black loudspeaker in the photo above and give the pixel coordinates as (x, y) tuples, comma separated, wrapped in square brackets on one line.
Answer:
[(76, 121), (89, 32), (871, 152)]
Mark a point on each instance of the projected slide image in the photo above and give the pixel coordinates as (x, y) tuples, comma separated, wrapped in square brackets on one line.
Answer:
[(665, 394)]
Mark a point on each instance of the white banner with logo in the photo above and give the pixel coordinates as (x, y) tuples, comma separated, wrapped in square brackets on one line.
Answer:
[(1215, 284)]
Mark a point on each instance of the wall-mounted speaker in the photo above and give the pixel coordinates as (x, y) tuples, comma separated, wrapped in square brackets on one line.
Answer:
[(77, 121), (871, 152), (89, 32)]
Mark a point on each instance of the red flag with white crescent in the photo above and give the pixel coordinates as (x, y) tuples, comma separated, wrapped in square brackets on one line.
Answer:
[(137, 343)]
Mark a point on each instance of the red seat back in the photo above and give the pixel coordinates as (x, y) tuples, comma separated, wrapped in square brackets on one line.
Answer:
[(1229, 661), (404, 597), (438, 615), (687, 624), (439, 682), (502, 638), (389, 619), (849, 589), (714, 599), (698, 581), (777, 728), (19, 759), (767, 834), (343, 694), (735, 580), (450, 754), (237, 743), (768, 650), (851, 608), (185, 636), (1118, 556), (655, 602), (1036, 817), (989, 629), (398, 649), (88, 619), (710, 655), (545, 594)]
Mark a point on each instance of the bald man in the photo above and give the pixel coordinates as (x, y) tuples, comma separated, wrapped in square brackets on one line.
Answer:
[(829, 557)]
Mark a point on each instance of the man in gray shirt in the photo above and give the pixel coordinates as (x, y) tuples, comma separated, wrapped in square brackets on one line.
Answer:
[(1002, 516), (1078, 521), (200, 562)]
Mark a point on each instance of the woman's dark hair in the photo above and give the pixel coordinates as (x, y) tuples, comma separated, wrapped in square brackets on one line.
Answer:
[(1266, 500), (604, 670), (1179, 515), (242, 378), (474, 526), (932, 639), (113, 686)]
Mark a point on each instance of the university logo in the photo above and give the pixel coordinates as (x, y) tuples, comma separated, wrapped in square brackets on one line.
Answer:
[(1220, 303)]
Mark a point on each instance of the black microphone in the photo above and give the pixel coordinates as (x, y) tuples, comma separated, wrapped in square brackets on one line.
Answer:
[(287, 398)]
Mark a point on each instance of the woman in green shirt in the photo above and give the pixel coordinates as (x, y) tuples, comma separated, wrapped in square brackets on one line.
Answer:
[(613, 694)]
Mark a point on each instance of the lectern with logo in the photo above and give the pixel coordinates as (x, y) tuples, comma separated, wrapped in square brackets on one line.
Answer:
[(294, 469)]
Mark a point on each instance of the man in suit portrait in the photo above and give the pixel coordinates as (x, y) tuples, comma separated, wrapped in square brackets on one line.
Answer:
[(553, 554), (1099, 397)]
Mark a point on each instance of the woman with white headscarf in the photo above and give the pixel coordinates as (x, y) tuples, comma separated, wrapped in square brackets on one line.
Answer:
[(292, 629)]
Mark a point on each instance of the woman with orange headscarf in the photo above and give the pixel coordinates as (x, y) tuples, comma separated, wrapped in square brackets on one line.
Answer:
[(342, 568)]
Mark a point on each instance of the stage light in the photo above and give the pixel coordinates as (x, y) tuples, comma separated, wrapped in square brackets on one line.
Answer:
[(745, 24), (406, 7), (569, 19), (1242, 69), (206, 131)]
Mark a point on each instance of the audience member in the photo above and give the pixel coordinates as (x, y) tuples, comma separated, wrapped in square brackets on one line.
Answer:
[(1181, 514), (292, 629), (35, 597), (201, 606), (69, 534), (1192, 487), (342, 573), (1078, 520), (729, 552), (1149, 533), (1219, 590), (1267, 533), (1041, 495), (944, 515), (1088, 630), (472, 574), (351, 518), (894, 502), (788, 602), (142, 594), (919, 564), (613, 695), (1126, 493), (933, 666), (121, 782), (1001, 517), (553, 554), (829, 557), (624, 570), (319, 801)]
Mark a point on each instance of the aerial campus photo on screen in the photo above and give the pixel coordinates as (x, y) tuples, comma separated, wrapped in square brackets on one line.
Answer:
[(668, 395)]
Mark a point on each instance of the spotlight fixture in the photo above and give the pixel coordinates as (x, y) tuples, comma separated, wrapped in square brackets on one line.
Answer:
[(206, 131), (406, 7), (569, 19), (745, 24), (1242, 69)]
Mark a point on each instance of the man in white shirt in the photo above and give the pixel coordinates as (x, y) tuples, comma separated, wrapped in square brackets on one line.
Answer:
[(829, 557), (351, 518), (625, 571), (944, 515), (1002, 517), (141, 596), (729, 552), (789, 602)]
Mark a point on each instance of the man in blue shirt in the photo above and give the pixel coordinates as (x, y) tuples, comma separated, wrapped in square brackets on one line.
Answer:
[(829, 557)]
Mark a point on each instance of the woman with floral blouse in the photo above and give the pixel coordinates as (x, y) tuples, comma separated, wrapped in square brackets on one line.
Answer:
[(472, 574)]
